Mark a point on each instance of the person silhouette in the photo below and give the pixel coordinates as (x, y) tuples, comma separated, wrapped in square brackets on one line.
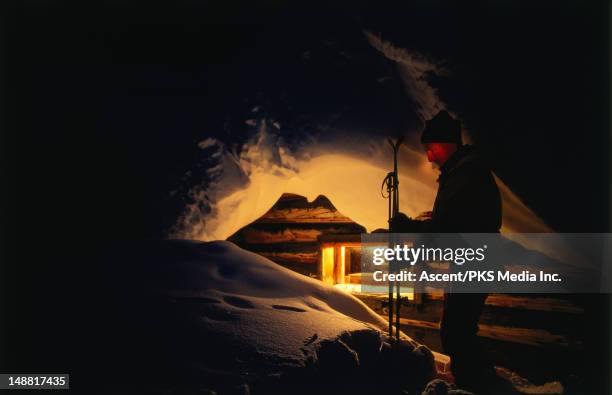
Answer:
[(467, 201)]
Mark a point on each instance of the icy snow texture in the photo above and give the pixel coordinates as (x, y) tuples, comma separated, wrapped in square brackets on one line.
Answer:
[(264, 306), (212, 316)]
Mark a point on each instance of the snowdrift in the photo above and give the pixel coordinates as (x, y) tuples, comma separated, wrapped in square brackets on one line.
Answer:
[(213, 317)]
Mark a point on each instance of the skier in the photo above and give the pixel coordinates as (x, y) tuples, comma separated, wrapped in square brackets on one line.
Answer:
[(468, 201)]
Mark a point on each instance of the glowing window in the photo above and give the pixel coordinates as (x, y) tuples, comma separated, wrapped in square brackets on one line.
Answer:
[(327, 268)]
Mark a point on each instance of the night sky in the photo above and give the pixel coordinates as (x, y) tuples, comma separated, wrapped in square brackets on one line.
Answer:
[(105, 103)]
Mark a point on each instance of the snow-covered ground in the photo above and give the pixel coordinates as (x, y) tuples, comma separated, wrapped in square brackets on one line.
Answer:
[(262, 306), (185, 317), (219, 318)]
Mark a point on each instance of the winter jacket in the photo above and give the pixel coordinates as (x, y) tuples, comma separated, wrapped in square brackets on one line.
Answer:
[(468, 200)]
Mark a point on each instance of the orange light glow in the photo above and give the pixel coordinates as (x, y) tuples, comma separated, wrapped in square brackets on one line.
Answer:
[(327, 265), (342, 266), (351, 183)]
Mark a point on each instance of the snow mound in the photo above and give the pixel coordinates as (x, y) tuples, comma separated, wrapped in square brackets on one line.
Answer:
[(264, 306), (222, 318)]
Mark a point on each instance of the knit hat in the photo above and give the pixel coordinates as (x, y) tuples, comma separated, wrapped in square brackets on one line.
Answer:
[(442, 129)]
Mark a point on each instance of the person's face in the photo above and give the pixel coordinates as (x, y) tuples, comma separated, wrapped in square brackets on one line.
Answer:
[(439, 153)]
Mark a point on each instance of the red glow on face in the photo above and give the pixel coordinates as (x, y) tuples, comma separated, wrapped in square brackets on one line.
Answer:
[(439, 152)]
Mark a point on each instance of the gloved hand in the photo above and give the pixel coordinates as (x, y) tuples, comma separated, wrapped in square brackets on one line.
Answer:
[(401, 223), (424, 216)]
